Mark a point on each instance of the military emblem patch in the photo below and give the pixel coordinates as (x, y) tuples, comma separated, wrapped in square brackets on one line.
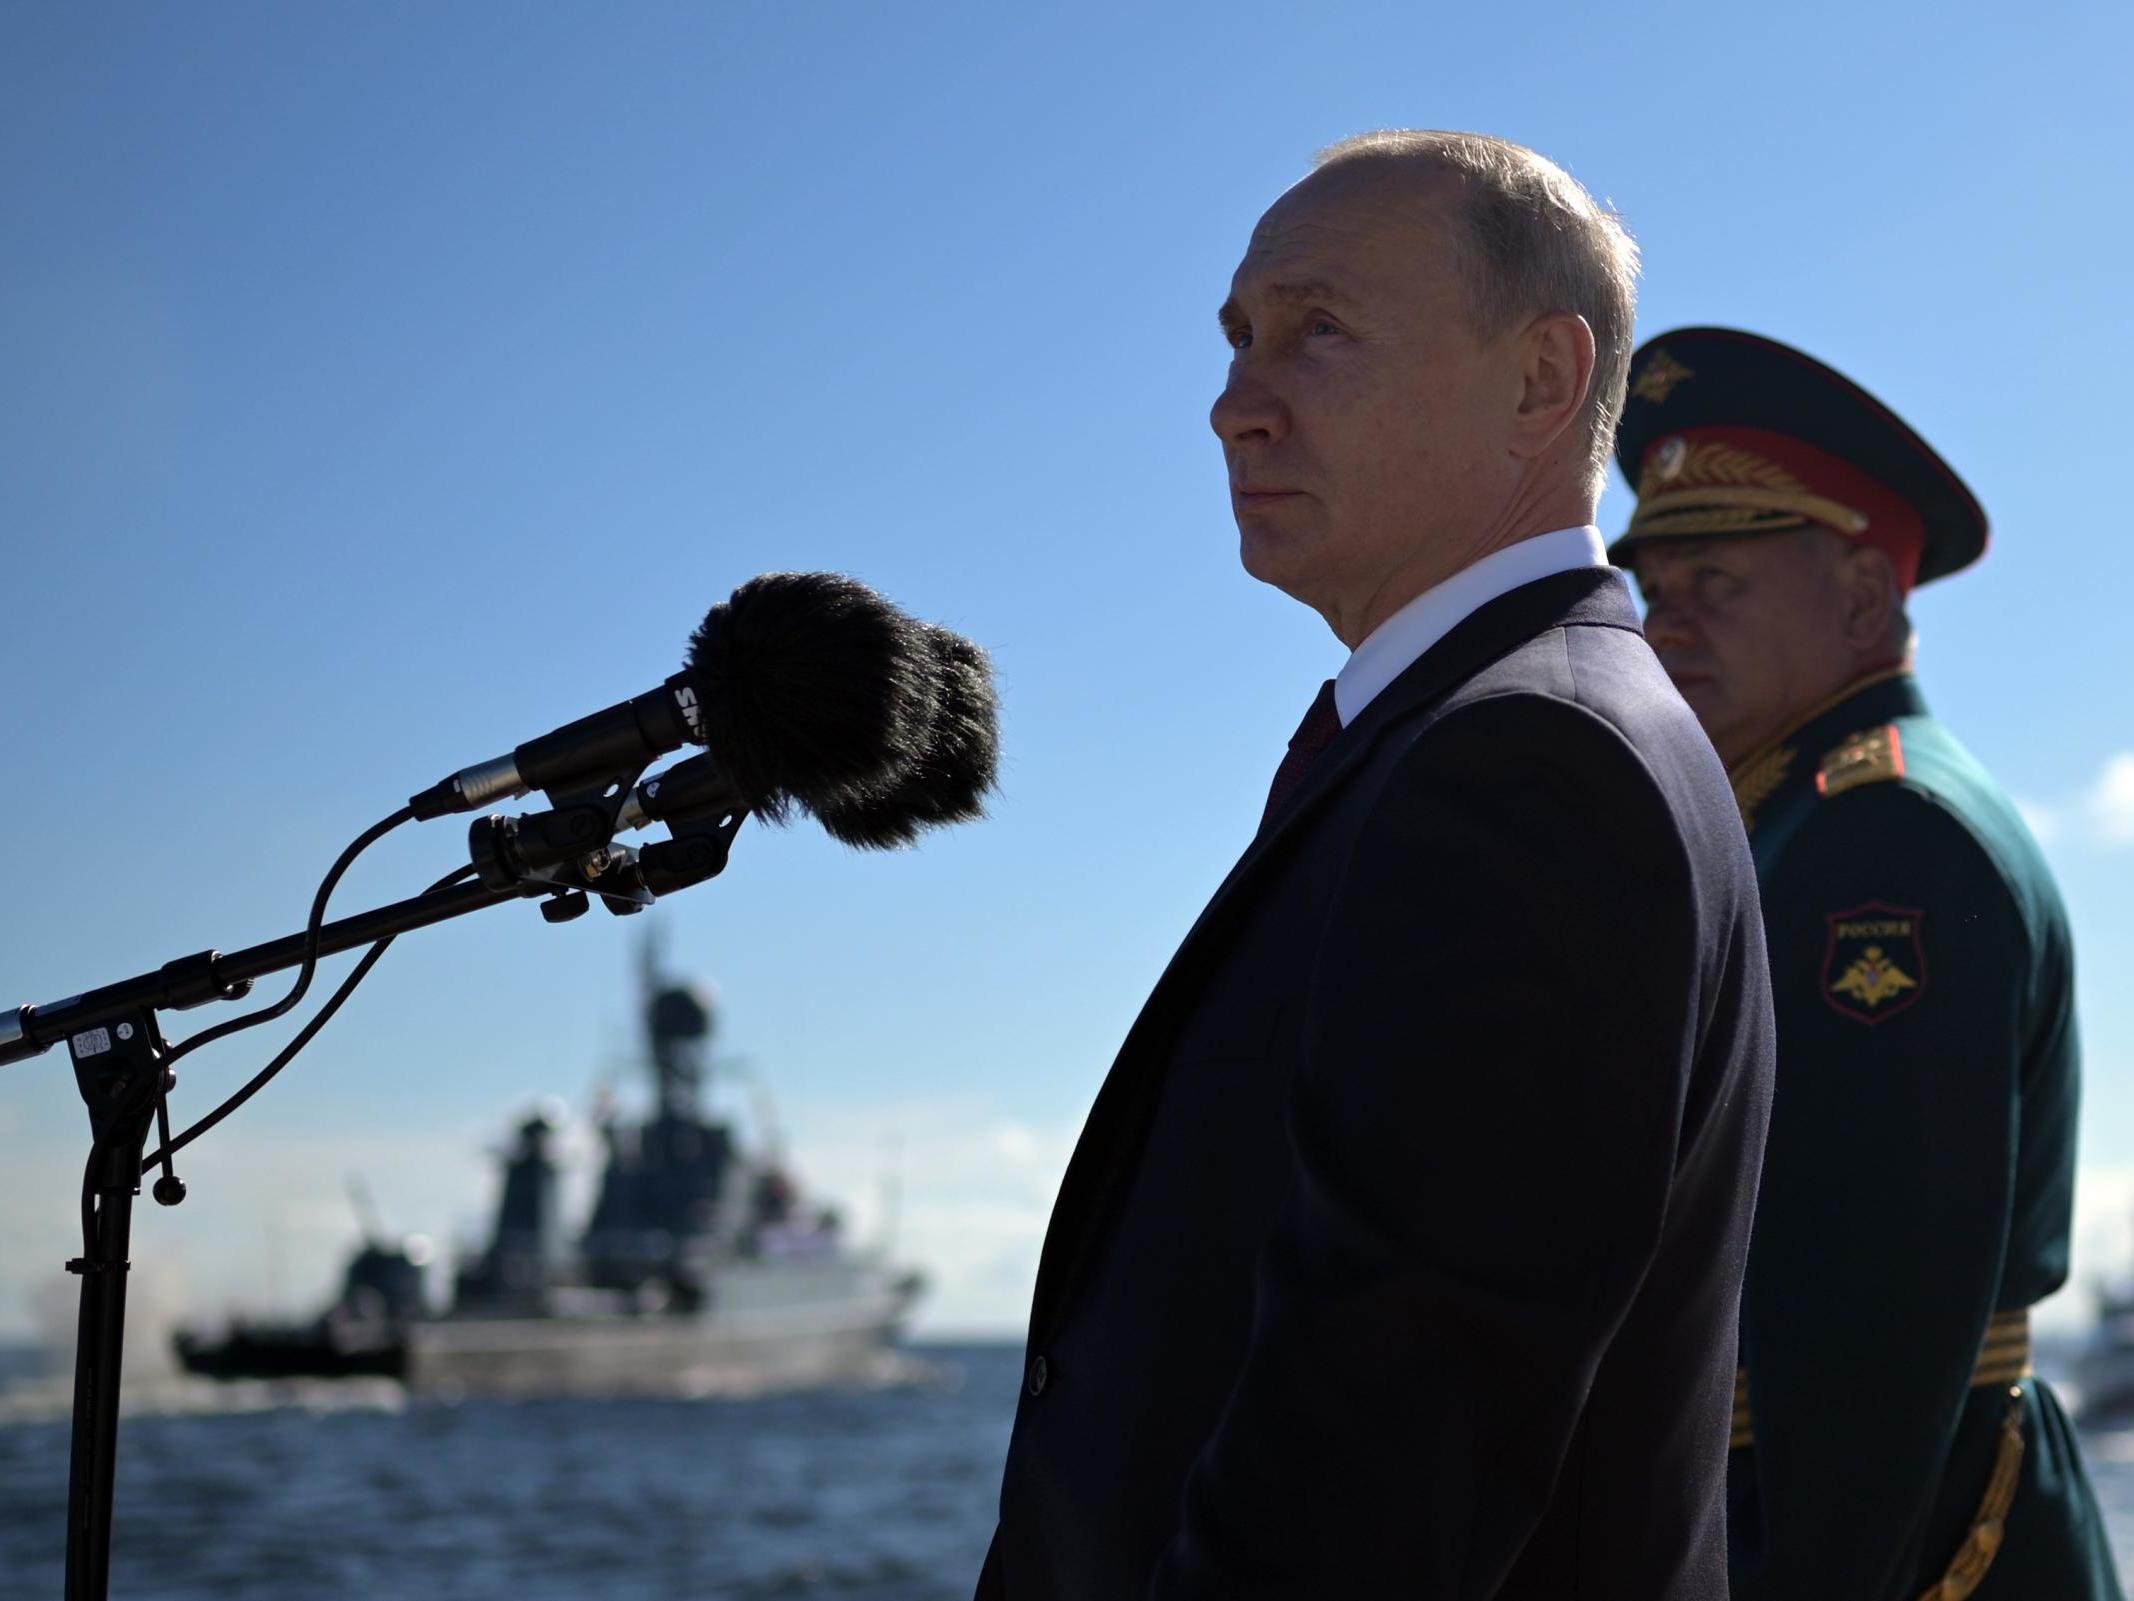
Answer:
[(1876, 963)]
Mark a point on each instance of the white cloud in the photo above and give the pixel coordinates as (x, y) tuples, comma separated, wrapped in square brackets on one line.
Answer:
[(2102, 1244), (2044, 821), (2110, 801), (2101, 813)]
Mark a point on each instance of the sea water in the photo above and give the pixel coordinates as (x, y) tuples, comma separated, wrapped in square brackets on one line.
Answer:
[(334, 1493)]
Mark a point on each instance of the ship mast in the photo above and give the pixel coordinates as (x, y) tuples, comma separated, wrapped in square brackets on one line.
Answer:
[(678, 1027)]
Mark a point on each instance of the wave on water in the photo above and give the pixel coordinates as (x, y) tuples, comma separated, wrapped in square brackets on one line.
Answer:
[(37, 1388)]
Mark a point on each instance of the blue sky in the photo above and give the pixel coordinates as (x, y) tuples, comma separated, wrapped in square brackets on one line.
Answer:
[(381, 386)]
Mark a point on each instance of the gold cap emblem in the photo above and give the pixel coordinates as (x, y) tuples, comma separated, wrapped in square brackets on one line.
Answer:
[(1656, 380)]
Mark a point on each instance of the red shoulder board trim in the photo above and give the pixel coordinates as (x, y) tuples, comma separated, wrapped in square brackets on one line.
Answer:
[(1870, 757)]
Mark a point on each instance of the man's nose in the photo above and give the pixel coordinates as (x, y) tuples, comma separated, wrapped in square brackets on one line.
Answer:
[(1248, 411), (1668, 626)]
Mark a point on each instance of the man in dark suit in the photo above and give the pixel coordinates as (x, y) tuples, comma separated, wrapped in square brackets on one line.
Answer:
[(1401, 1252)]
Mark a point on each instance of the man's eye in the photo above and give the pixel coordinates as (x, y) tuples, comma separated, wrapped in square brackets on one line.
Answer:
[(1718, 583), (1319, 325), (1239, 338)]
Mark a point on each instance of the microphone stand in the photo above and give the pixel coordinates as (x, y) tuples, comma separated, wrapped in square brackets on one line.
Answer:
[(118, 1070), (118, 1053)]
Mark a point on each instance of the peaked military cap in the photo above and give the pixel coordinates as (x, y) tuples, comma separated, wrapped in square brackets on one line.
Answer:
[(1729, 433)]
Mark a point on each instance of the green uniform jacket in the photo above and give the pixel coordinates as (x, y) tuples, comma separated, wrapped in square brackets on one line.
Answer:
[(1919, 1175)]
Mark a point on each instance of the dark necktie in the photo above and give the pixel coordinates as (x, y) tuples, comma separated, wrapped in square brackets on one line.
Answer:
[(1313, 735)]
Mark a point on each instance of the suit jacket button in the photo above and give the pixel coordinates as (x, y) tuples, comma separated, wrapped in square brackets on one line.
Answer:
[(1040, 1376)]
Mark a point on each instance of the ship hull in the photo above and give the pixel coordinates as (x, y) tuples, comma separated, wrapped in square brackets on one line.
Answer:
[(2104, 1381), (767, 1329), (770, 1327)]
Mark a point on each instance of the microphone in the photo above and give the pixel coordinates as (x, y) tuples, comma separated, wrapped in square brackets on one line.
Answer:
[(813, 692)]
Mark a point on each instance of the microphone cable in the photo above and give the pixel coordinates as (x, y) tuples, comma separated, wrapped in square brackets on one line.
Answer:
[(266, 1014), (304, 1036), (305, 973)]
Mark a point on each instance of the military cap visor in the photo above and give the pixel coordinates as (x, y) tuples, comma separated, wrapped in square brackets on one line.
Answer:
[(1726, 434)]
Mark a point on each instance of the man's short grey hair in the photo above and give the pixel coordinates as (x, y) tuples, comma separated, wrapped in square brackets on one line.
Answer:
[(1531, 241)]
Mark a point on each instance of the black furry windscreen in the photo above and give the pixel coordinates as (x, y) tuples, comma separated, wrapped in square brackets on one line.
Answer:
[(956, 768), (815, 689)]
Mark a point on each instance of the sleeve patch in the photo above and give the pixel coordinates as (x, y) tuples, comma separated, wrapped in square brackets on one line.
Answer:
[(1875, 964)]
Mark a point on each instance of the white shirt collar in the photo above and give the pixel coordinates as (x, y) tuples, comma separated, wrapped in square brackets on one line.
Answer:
[(1398, 643)]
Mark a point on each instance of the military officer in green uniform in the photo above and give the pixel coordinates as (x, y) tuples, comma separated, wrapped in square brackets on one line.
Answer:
[(1890, 1440)]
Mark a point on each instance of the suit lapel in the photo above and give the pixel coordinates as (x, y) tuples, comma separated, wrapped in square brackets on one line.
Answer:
[(1109, 1150), (1490, 633)]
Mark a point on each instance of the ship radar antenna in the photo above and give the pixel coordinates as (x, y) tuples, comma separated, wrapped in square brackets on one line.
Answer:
[(650, 950), (368, 1221)]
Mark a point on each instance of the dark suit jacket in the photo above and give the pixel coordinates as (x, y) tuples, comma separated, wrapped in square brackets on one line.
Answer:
[(1402, 1250)]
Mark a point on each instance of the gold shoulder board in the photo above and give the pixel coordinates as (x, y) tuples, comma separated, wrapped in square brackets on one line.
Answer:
[(1863, 758)]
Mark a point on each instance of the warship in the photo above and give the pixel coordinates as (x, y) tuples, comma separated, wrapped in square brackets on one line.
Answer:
[(704, 1267)]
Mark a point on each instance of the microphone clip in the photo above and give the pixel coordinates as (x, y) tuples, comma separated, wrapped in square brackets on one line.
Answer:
[(568, 848)]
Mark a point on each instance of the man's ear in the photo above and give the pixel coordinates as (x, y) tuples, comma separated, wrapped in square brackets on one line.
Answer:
[(1872, 598), (1556, 370)]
